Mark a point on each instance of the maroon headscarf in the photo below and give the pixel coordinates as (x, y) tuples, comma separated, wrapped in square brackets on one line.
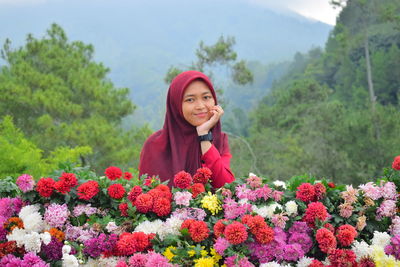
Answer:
[(176, 147)]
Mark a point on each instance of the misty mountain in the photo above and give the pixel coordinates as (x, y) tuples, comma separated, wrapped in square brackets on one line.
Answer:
[(140, 40)]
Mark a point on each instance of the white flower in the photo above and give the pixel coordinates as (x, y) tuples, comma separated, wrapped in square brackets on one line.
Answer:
[(252, 175), (291, 207), (111, 226), (17, 235), (32, 242), (106, 262), (46, 237), (28, 210), (66, 249), (270, 264), (271, 209), (33, 222), (278, 183), (361, 249), (171, 226), (262, 211), (243, 201), (304, 262), (381, 239), (69, 261), (148, 227)]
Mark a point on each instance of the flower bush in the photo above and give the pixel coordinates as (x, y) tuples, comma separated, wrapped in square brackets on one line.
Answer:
[(75, 218)]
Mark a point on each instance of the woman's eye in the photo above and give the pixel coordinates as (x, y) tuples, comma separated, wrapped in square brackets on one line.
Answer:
[(207, 97), (189, 100)]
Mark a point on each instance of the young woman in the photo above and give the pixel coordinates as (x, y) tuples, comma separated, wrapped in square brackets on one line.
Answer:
[(191, 137)]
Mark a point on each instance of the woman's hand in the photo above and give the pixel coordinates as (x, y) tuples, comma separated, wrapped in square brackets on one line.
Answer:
[(217, 113)]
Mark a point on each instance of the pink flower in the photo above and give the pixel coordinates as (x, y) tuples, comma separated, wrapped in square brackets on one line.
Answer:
[(221, 244), (277, 195), (371, 190), (346, 210), (279, 220), (386, 209), (389, 191), (350, 195), (25, 182), (182, 198)]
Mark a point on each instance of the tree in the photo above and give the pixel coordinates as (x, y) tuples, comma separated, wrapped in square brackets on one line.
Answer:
[(59, 96), (19, 155)]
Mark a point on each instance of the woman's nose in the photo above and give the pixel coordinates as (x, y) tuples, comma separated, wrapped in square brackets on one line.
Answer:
[(200, 104)]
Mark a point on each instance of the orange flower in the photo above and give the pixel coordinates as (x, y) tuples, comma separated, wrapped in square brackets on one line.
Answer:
[(12, 223), (57, 234)]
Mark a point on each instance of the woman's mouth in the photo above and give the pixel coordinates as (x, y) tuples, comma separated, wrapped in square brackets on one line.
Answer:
[(201, 115)]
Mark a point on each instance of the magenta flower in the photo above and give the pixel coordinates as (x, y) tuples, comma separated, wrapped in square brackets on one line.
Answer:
[(25, 182)]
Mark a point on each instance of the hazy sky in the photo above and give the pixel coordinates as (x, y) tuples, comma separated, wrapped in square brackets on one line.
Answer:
[(317, 9)]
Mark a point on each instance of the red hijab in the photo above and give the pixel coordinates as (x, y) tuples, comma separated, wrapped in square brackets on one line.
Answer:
[(176, 147)]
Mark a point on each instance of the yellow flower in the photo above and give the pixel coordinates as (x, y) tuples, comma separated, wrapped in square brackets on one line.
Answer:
[(215, 255), (191, 253), (204, 262), (212, 203), (168, 253), (203, 253)]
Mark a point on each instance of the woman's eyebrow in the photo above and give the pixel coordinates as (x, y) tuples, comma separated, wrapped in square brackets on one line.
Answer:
[(204, 93)]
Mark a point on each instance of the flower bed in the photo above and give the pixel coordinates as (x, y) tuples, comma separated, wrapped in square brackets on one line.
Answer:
[(78, 219)]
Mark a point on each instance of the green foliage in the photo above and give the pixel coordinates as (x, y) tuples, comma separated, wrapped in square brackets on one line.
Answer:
[(318, 119), (19, 155), (59, 96)]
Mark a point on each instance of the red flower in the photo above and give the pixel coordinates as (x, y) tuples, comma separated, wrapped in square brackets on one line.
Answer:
[(346, 234), (182, 180), (316, 263), (197, 189), (329, 227), (162, 206), (123, 208), (315, 210), (366, 262), (62, 187), (69, 179), (166, 191), (155, 193), (129, 243), (202, 175), (144, 203), (320, 191), (264, 235), (331, 185), (342, 258), (186, 223), (113, 173), (306, 192), (326, 240), (88, 190), (45, 187), (219, 227), (9, 247), (135, 191), (127, 175), (198, 230), (116, 191), (396, 163), (255, 223), (235, 233)]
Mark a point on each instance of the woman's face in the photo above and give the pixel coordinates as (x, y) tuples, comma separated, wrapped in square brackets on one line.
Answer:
[(197, 102)]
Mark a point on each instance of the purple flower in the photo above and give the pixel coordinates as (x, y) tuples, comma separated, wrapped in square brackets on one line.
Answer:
[(53, 250), (9, 207), (220, 245), (302, 239), (280, 235), (94, 247), (84, 209), (300, 227), (189, 213), (395, 227), (25, 182), (293, 252), (56, 215), (232, 209)]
